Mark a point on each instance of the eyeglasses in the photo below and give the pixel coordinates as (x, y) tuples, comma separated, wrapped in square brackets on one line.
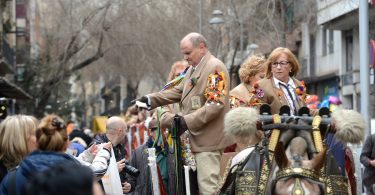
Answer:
[(281, 63)]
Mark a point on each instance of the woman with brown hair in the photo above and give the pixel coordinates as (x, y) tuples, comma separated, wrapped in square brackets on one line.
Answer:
[(280, 86), (252, 70)]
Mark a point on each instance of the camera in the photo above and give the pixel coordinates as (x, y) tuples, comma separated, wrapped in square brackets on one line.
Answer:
[(131, 170)]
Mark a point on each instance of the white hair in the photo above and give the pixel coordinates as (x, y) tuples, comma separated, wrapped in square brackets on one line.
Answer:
[(350, 125), (241, 122)]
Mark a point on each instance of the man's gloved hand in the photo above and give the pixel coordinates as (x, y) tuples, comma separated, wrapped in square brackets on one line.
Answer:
[(142, 102), (183, 126)]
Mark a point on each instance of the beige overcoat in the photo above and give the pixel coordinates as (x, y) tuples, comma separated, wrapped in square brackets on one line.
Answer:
[(204, 120)]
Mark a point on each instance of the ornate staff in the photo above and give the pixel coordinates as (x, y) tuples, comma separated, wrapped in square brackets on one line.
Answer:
[(153, 170), (178, 157)]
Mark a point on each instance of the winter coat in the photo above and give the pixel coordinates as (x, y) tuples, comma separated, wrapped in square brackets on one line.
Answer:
[(37, 161), (368, 154)]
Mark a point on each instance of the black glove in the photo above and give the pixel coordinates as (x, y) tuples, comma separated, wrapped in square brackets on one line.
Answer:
[(182, 126), (142, 99)]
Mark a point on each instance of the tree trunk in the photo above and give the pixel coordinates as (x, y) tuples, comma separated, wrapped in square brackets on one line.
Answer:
[(283, 23)]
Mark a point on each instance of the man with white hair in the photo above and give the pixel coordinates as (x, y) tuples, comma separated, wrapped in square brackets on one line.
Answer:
[(241, 124), (204, 101)]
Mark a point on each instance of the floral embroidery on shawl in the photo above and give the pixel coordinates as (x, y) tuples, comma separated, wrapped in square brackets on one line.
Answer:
[(256, 96), (236, 102)]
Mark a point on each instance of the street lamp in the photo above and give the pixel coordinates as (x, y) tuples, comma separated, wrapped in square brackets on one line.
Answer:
[(200, 16), (216, 20), (241, 38), (217, 17), (217, 14)]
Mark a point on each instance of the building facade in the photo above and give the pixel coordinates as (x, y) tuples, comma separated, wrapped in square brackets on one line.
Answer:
[(12, 97), (330, 55)]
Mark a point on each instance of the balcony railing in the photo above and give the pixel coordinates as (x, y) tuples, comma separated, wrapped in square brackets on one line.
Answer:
[(351, 77), (347, 79)]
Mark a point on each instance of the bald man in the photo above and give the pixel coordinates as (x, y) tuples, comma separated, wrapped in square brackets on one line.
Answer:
[(201, 115), (116, 130)]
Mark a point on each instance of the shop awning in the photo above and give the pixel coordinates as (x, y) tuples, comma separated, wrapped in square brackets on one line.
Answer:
[(11, 90), (5, 68)]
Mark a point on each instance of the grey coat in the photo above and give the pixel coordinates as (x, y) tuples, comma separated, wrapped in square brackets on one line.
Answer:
[(368, 154), (139, 161)]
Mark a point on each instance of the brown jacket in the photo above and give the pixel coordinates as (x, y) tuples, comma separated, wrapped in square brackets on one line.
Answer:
[(205, 122), (274, 96), (241, 95), (167, 114)]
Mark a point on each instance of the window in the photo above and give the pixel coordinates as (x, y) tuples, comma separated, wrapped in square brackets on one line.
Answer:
[(20, 72), (331, 41), (349, 52), (312, 55), (20, 31), (324, 43)]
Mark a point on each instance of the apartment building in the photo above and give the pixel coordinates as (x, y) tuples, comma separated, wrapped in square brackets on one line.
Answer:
[(330, 55), (11, 94)]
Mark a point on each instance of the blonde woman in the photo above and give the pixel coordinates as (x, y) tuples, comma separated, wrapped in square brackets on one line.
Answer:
[(252, 70), (17, 139)]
